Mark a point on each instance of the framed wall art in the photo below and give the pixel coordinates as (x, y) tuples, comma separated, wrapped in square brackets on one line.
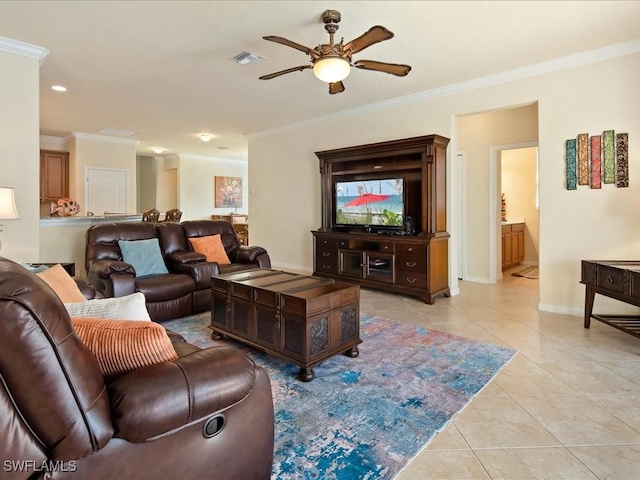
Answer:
[(227, 192)]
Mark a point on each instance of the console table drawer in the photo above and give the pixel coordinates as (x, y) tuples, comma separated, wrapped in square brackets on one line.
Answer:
[(410, 249), (322, 242), (611, 278), (411, 279), (411, 264)]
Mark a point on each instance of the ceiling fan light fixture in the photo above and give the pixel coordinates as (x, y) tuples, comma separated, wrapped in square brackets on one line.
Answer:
[(331, 69)]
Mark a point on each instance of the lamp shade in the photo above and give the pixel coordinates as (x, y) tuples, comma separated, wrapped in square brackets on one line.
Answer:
[(8, 210), (331, 69)]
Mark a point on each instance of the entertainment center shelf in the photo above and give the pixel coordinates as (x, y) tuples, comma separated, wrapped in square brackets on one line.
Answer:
[(403, 250)]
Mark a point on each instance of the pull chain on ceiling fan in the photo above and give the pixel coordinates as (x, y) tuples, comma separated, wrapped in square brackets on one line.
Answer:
[(331, 62)]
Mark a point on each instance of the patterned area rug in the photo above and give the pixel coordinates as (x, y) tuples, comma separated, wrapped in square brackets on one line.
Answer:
[(527, 272), (367, 417)]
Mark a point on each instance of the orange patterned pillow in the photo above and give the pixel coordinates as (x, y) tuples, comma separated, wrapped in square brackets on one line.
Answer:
[(122, 346), (61, 282), (211, 247)]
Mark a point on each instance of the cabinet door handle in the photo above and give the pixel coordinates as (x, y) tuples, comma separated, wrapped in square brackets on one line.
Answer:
[(326, 254), (411, 264), (411, 280)]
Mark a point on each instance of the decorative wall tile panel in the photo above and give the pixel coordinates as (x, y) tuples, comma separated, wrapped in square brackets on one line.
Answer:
[(583, 159), (596, 161), (571, 164), (608, 156), (622, 160)]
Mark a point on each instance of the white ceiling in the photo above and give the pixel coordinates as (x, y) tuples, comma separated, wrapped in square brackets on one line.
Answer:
[(162, 69)]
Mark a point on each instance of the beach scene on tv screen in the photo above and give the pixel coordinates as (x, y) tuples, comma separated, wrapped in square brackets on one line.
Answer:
[(370, 202)]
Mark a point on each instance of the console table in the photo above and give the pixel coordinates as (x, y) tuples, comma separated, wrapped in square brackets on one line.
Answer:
[(615, 279)]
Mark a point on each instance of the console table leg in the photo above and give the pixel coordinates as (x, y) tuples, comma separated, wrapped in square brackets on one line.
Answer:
[(216, 336), (588, 305), (353, 352), (306, 374)]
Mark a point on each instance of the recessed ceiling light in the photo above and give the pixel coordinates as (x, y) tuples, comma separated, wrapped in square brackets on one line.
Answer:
[(59, 88), (205, 137), (158, 149), (223, 148)]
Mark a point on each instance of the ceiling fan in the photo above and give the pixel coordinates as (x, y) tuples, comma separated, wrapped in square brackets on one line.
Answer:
[(331, 62)]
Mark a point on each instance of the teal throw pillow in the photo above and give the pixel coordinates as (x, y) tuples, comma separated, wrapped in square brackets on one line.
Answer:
[(144, 256)]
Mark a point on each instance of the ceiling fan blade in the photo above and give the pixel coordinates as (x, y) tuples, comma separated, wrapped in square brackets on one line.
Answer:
[(392, 68), (373, 35), (283, 72), (336, 87), (289, 43)]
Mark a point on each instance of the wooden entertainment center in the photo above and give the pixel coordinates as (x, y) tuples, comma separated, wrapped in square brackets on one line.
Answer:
[(413, 259)]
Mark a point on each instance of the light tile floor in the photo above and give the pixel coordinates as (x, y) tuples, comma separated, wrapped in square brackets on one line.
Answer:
[(567, 406)]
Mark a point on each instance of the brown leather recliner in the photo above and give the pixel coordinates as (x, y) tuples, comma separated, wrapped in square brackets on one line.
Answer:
[(186, 289), (57, 415)]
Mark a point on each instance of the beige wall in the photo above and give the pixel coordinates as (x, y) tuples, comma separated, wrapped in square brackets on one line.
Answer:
[(284, 177), (195, 183), (519, 185), (476, 134), (167, 184), (147, 180), (88, 150), (20, 159)]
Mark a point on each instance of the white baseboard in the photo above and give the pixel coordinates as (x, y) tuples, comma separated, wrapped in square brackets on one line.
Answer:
[(575, 312), (292, 268), (477, 279), (455, 291)]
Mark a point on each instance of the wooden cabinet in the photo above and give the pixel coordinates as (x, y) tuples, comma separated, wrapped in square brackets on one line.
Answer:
[(412, 260), (54, 175), (512, 245), (403, 264), (240, 225)]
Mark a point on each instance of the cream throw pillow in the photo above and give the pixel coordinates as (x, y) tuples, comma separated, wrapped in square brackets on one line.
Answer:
[(61, 282), (129, 307)]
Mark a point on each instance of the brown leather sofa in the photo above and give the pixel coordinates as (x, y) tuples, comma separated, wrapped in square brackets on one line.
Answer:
[(186, 289), (58, 418)]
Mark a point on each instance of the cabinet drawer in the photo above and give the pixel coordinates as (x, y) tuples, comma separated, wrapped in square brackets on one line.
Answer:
[(411, 263), (411, 249), (517, 227), (326, 266), (411, 279), (506, 229), (611, 278), (386, 247), (325, 242)]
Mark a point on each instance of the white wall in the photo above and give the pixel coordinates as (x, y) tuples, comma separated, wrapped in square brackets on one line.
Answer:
[(574, 225), (518, 179), (196, 184), (20, 159)]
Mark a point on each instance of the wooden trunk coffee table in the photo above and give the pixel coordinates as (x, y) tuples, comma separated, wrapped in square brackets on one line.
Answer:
[(302, 319)]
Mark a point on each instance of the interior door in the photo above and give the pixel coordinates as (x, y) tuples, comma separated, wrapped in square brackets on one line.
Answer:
[(107, 190)]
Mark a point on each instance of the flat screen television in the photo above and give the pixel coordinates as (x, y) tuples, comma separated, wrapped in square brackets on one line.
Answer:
[(378, 203)]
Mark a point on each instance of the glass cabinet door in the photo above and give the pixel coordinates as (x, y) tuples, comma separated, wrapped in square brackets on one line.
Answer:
[(379, 266), (352, 263)]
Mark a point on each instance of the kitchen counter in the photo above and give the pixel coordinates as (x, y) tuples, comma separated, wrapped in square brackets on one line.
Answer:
[(89, 220)]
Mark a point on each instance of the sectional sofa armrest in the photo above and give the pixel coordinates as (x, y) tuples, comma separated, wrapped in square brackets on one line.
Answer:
[(112, 278), (253, 255), (87, 289), (184, 257), (200, 272), (160, 398), (104, 268)]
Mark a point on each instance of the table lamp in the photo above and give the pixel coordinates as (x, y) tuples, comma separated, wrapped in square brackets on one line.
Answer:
[(8, 210)]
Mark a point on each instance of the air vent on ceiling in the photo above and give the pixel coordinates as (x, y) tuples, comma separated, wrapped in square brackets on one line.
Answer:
[(244, 58)]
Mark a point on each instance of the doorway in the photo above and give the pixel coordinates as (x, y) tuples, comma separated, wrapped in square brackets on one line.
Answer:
[(523, 196)]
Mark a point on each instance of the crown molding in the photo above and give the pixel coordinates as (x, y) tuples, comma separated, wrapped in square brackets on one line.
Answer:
[(52, 139), (556, 65), (22, 48), (100, 138), (189, 156)]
